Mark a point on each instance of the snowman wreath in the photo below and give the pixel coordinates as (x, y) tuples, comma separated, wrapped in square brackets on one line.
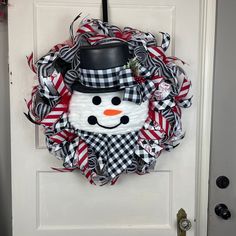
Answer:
[(109, 100)]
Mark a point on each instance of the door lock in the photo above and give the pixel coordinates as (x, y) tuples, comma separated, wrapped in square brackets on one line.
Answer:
[(183, 223), (222, 211), (222, 182)]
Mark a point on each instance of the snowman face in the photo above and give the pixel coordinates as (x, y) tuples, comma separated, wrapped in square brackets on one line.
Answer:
[(106, 113)]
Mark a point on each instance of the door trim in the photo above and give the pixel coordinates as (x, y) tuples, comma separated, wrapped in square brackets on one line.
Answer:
[(206, 72)]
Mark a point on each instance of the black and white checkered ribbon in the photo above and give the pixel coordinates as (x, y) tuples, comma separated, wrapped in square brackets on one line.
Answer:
[(114, 152), (185, 103), (164, 104), (165, 41), (121, 78), (146, 154)]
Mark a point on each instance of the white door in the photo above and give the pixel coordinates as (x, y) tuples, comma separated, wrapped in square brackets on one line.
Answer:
[(50, 203)]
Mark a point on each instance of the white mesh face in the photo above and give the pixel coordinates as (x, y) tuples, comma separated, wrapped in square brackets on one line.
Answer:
[(97, 118)]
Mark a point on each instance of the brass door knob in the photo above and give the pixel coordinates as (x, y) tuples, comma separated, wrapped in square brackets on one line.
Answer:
[(185, 224)]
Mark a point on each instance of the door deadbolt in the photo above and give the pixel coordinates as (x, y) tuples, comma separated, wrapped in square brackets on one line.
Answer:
[(222, 182), (183, 223)]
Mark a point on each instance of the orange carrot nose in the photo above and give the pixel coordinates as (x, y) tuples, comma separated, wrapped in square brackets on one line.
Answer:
[(111, 112)]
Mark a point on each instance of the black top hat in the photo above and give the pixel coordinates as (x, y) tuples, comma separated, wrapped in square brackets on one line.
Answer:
[(101, 57)]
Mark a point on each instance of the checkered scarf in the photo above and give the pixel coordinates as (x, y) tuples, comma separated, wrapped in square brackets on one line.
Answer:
[(121, 78), (114, 153)]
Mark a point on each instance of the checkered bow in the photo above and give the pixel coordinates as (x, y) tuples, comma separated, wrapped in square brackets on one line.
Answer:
[(121, 78)]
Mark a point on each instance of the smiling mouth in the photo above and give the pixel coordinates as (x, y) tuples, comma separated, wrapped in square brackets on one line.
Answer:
[(92, 120), (108, 127)]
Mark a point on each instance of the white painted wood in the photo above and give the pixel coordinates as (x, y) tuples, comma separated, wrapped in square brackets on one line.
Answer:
[(49, 203)]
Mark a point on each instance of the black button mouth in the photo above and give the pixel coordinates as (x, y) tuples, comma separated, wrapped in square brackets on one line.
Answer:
[(92, 120)]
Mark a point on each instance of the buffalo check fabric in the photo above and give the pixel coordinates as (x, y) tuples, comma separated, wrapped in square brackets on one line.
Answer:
[(165, 41), (121, 78), (164, 104), (114, 152), (104, 78)]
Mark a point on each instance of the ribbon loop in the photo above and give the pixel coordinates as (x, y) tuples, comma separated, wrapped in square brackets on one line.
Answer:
[(139, 93), (71, 76)]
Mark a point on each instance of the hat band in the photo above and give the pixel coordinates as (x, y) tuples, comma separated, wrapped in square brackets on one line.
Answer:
[(107, 78), (121, 78)]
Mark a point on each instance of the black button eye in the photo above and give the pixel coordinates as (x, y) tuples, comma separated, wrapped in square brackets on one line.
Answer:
[(92, 120), (96, 100), (115, 101), (124, 120)]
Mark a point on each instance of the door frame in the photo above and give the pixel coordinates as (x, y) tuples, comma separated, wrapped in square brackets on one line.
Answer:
[(206, 72)]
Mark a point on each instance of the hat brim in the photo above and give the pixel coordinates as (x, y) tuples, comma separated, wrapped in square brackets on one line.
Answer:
[(77, 86)]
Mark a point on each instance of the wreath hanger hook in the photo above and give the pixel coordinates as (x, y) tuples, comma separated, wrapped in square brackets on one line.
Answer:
[(104, 10)]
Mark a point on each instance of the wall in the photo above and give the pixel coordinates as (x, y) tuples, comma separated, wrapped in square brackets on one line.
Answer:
[(223, 148), (5, 175)]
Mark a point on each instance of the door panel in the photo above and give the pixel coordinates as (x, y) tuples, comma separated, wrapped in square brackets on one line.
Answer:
[(65, 203), (106, 214)]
